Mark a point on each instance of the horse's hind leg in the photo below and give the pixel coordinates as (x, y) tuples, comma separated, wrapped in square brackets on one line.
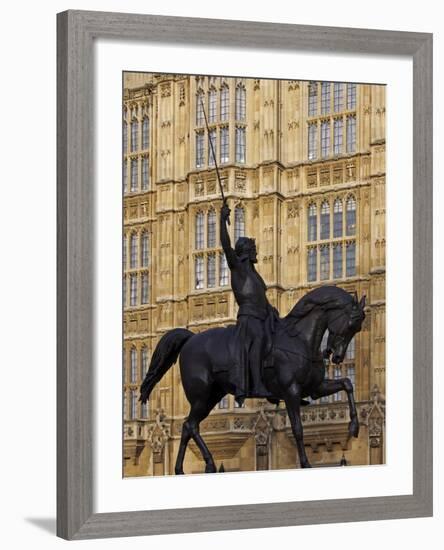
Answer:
[(186, 435), (200, 409)]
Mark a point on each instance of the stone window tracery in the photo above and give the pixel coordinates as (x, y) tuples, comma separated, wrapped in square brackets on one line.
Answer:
[(336, 116), (239, 223), (240, 102), (336, 258)]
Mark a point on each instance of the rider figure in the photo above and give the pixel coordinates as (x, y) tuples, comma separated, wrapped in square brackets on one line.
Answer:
[(255, 318)]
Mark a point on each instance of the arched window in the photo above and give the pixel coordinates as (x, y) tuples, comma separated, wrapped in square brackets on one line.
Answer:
[(224, 145), (350, 227), (312, 264), (211, 270), (350, 259), (125, 175), (337, 136), (312, 140), (134, 135), (351, 134), (350, 354), (143, 362), (240, 144), (145, 133), (200, 153), (133, 366), (239, 223), (124, 252), (338, 96), (125, 405), (200, 119), (144, 252), (240, 102), (125, 138), (144, 294), (212, 105), (145, 174), (337, 218), (199, 230), (337, 260), (325, 97), (312, 99), (124, 291), (325, 138), (325, 220), (133, 410), (133, 250), (224, 103), (223, 270), (134, 175), (199, 272), (211, 229), (325, 262), (312, 223), (351, 96), (133, 289)]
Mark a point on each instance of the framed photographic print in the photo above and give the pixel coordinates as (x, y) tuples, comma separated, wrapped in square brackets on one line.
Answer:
[(302, 139)]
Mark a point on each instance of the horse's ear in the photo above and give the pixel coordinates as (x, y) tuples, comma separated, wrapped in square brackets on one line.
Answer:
[(362, 302), (355, 297)]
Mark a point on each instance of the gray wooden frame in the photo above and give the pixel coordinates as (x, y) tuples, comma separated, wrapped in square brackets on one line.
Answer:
[(76, 32)]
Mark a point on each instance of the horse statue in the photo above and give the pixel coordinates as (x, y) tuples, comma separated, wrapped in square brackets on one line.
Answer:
[(297, 370)]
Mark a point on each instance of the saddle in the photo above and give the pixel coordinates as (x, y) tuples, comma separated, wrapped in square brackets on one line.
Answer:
[(226, 359)]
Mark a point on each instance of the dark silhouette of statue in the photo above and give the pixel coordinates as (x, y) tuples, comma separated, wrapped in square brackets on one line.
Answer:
[(230, 359), (255, 318)]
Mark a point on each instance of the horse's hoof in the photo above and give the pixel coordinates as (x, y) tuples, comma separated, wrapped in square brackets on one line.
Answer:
[(306, 465), (210, 469), (179, 472), (353, 429)]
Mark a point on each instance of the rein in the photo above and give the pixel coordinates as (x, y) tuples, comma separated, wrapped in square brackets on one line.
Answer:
[(296, 333)]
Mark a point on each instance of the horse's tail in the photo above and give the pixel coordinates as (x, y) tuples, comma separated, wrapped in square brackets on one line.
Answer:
[(164, 356)]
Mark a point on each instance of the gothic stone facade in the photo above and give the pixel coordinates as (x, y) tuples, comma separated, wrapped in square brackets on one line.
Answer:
[(303, 168)]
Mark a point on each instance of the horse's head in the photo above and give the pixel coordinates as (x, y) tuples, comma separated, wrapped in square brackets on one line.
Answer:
[(343, 323)]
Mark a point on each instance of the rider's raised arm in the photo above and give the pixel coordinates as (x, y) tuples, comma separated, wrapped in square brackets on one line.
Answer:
[(225, 237)]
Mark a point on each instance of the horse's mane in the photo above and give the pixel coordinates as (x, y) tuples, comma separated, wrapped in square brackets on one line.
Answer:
[(327, 297)]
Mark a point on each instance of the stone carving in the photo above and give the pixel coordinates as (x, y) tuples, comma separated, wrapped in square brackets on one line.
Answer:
[(293, 210), (293, 124), (165, 90), (181, 95), (159, 432), (240, 184), (211, 186), (262, 427), (199, 188), (312, 178)]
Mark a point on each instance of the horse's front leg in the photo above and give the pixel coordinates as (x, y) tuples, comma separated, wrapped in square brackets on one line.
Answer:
[(293, 403), (329, 387)]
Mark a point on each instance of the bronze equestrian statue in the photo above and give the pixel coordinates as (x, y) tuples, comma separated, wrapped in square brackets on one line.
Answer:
[(262, 355), (211, 362)]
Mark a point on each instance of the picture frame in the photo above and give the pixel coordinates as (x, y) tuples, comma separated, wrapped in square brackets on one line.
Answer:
[(76, 33)]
